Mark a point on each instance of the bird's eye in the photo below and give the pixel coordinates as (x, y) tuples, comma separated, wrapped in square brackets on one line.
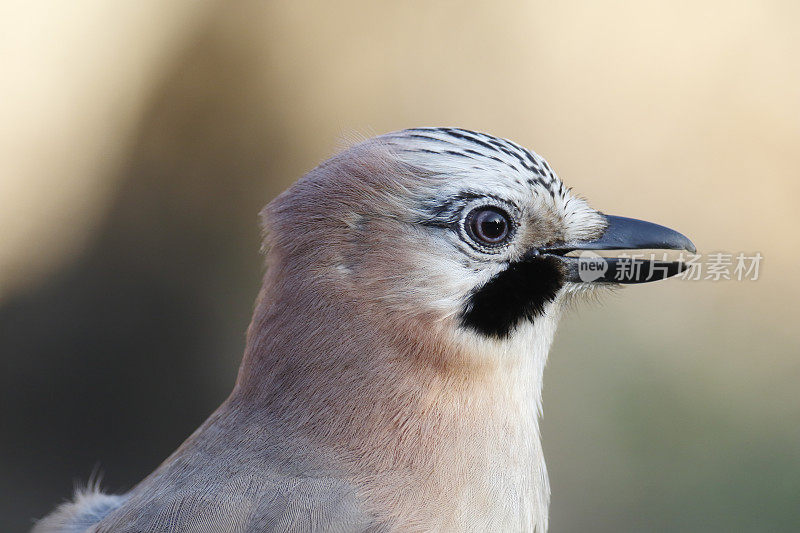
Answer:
[(488, 226)]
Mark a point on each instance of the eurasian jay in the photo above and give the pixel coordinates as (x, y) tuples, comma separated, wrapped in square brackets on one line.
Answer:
[(392, 376)]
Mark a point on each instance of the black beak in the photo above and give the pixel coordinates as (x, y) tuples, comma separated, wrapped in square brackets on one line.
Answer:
[(622, 234)]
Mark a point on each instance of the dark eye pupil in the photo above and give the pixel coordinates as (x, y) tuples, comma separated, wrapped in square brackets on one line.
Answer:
[(489, 225)]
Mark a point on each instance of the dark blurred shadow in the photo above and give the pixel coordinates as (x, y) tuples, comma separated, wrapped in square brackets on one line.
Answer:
[(117, 359)]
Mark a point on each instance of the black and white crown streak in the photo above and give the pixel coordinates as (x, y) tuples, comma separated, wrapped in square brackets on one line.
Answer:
[(482, 148)]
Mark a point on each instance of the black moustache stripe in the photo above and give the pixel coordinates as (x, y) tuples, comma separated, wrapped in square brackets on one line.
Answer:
[(518, 293)]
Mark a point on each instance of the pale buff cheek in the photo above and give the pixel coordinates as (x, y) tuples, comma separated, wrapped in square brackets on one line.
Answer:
[(414, 273)]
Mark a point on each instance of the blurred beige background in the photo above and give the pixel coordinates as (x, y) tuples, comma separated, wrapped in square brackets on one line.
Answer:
[(138, 141)]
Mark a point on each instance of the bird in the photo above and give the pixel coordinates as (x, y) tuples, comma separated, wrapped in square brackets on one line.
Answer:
[(392, 373)]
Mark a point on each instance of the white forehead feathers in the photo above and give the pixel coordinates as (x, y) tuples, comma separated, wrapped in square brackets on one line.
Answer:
[(478, 164)]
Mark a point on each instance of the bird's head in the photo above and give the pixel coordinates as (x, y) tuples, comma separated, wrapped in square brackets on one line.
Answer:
[(450, 230)]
